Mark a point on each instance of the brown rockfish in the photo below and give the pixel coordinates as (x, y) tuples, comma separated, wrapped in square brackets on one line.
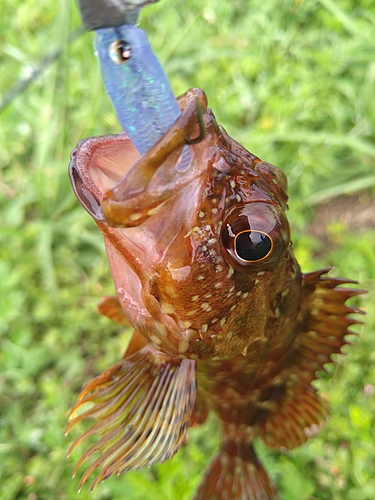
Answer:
[(223, 318)]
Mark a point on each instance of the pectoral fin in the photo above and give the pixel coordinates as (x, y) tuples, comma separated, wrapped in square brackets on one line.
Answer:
[(110, 307), (142, 406)]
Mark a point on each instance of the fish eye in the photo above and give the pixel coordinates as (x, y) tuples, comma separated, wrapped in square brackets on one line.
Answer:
[(254, 234), (120, 51), (252, 246)]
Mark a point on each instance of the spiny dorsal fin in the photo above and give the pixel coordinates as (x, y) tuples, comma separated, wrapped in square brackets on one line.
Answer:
[(142, 406), (297, 411)]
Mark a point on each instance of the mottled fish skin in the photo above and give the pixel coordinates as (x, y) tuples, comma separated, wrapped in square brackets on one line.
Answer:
[(220, 323), (139, 89)]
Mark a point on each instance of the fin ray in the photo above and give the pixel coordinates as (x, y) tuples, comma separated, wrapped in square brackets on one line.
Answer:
[(236, 476), (142, 407)]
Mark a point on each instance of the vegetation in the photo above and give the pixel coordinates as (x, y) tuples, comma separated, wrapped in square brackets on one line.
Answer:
[(293, 81)]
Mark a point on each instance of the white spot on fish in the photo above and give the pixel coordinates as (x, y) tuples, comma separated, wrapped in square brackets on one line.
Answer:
[(135, 216), (153, 211), (206, 307), (167, 308)]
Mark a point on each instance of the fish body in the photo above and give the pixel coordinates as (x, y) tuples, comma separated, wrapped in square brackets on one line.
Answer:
[(137, 85), (224, 318)]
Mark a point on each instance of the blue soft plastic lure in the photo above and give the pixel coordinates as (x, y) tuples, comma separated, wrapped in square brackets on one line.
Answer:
[(137, 85)]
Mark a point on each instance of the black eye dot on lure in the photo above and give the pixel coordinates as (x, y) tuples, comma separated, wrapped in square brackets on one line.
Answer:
[(120, 51)]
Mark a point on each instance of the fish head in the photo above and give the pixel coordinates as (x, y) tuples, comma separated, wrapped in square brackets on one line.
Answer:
[(200, 255)]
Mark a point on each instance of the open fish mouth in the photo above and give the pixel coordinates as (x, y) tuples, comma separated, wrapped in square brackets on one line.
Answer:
[(97, 165), (116, 185)]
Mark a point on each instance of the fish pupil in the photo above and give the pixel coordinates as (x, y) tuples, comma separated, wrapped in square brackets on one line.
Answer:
[(120, 51), (252, 246)]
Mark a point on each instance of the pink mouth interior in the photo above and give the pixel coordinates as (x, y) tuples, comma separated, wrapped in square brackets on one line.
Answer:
[(110, 161)]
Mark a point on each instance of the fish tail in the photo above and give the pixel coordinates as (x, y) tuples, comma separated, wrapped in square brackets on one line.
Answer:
[(236, 473)]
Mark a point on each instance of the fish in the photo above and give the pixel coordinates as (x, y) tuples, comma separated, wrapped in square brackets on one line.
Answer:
[(137, 86), (224, 319)]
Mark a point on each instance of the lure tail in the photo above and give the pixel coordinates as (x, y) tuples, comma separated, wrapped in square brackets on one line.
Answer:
[(236, 473), (138, 87)]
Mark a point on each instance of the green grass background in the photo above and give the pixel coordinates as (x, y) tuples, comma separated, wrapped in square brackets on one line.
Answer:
[(293, 81)]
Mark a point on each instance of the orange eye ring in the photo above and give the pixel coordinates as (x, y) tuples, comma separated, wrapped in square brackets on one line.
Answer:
[(256, 249)]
